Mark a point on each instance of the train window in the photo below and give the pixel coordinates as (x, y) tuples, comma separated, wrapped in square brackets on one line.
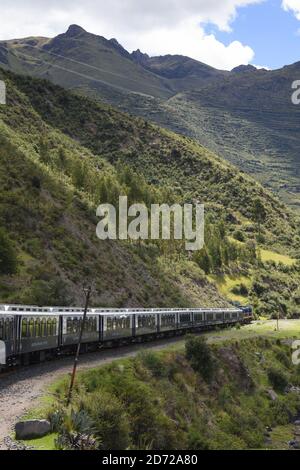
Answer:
[(219, 316), (167, 320), (74, 325), (54, 321), (24, 328), (92, 324), (70, 326), (109, 324), (31, 328), (125, 322), (44, 328), (210, 316), (6, 329), (234, 315), (185, 317), (38, 330), (49, 327), (77, 325), (117, 323), (38, 327), (146, 321), (198, 317), (227, 316)]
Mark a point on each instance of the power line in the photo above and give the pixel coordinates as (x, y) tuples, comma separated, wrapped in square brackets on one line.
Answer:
[(89, 77)]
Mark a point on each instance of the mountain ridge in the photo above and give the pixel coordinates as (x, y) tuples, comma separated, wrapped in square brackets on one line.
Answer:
[(245, 115)]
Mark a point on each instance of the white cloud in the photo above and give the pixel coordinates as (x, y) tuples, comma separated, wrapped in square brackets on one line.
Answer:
[(292, 5), (261, 67), (154, 26), (189, 39)]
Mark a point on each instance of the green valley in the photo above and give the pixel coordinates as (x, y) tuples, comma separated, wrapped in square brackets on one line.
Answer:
[(245, 115), (62, 154)]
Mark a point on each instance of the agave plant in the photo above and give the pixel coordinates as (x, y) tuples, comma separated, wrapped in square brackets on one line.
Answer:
[(75, 430)]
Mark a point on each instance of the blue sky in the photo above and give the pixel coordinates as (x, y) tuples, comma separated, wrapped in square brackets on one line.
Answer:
[(273, 34)]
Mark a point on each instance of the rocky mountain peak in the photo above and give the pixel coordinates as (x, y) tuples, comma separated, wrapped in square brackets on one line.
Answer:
[(244, 68), (75, 30), (139, 56)]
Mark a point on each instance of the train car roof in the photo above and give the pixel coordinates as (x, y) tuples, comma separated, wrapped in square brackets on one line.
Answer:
[(11, 309)]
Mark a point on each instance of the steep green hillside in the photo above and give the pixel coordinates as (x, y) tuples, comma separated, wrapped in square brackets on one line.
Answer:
[(48, 211), (245, 115), (164, 158), (238, 394), (76, 153)]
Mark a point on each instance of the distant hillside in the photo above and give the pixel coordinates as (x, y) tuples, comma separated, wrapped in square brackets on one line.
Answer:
[(62, 154), (245, 115), (249, 118)]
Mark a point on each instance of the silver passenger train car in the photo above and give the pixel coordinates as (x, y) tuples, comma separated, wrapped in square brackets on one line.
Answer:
[(33, 334)]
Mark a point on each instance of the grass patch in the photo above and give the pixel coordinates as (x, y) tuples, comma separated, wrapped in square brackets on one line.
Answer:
[(226, 284), (44, 403), (267, 255), (280, 437), (43, 443), (288, 329)]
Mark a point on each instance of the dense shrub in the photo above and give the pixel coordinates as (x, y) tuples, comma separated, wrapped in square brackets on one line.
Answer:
[(200, 356), (111, 427), (8, 257), (284, 357), (197, 441), (278, 379), (240, 289), (153, 362), (49, 292), (239, 235), (142, 403)]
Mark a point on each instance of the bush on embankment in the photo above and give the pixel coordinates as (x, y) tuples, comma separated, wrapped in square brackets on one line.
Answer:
[(203, 397)]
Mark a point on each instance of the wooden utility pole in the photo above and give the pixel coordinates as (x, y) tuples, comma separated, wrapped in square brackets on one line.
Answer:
[(87, 291)]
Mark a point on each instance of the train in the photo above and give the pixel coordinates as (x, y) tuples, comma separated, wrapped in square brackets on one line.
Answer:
[(30, 334)]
